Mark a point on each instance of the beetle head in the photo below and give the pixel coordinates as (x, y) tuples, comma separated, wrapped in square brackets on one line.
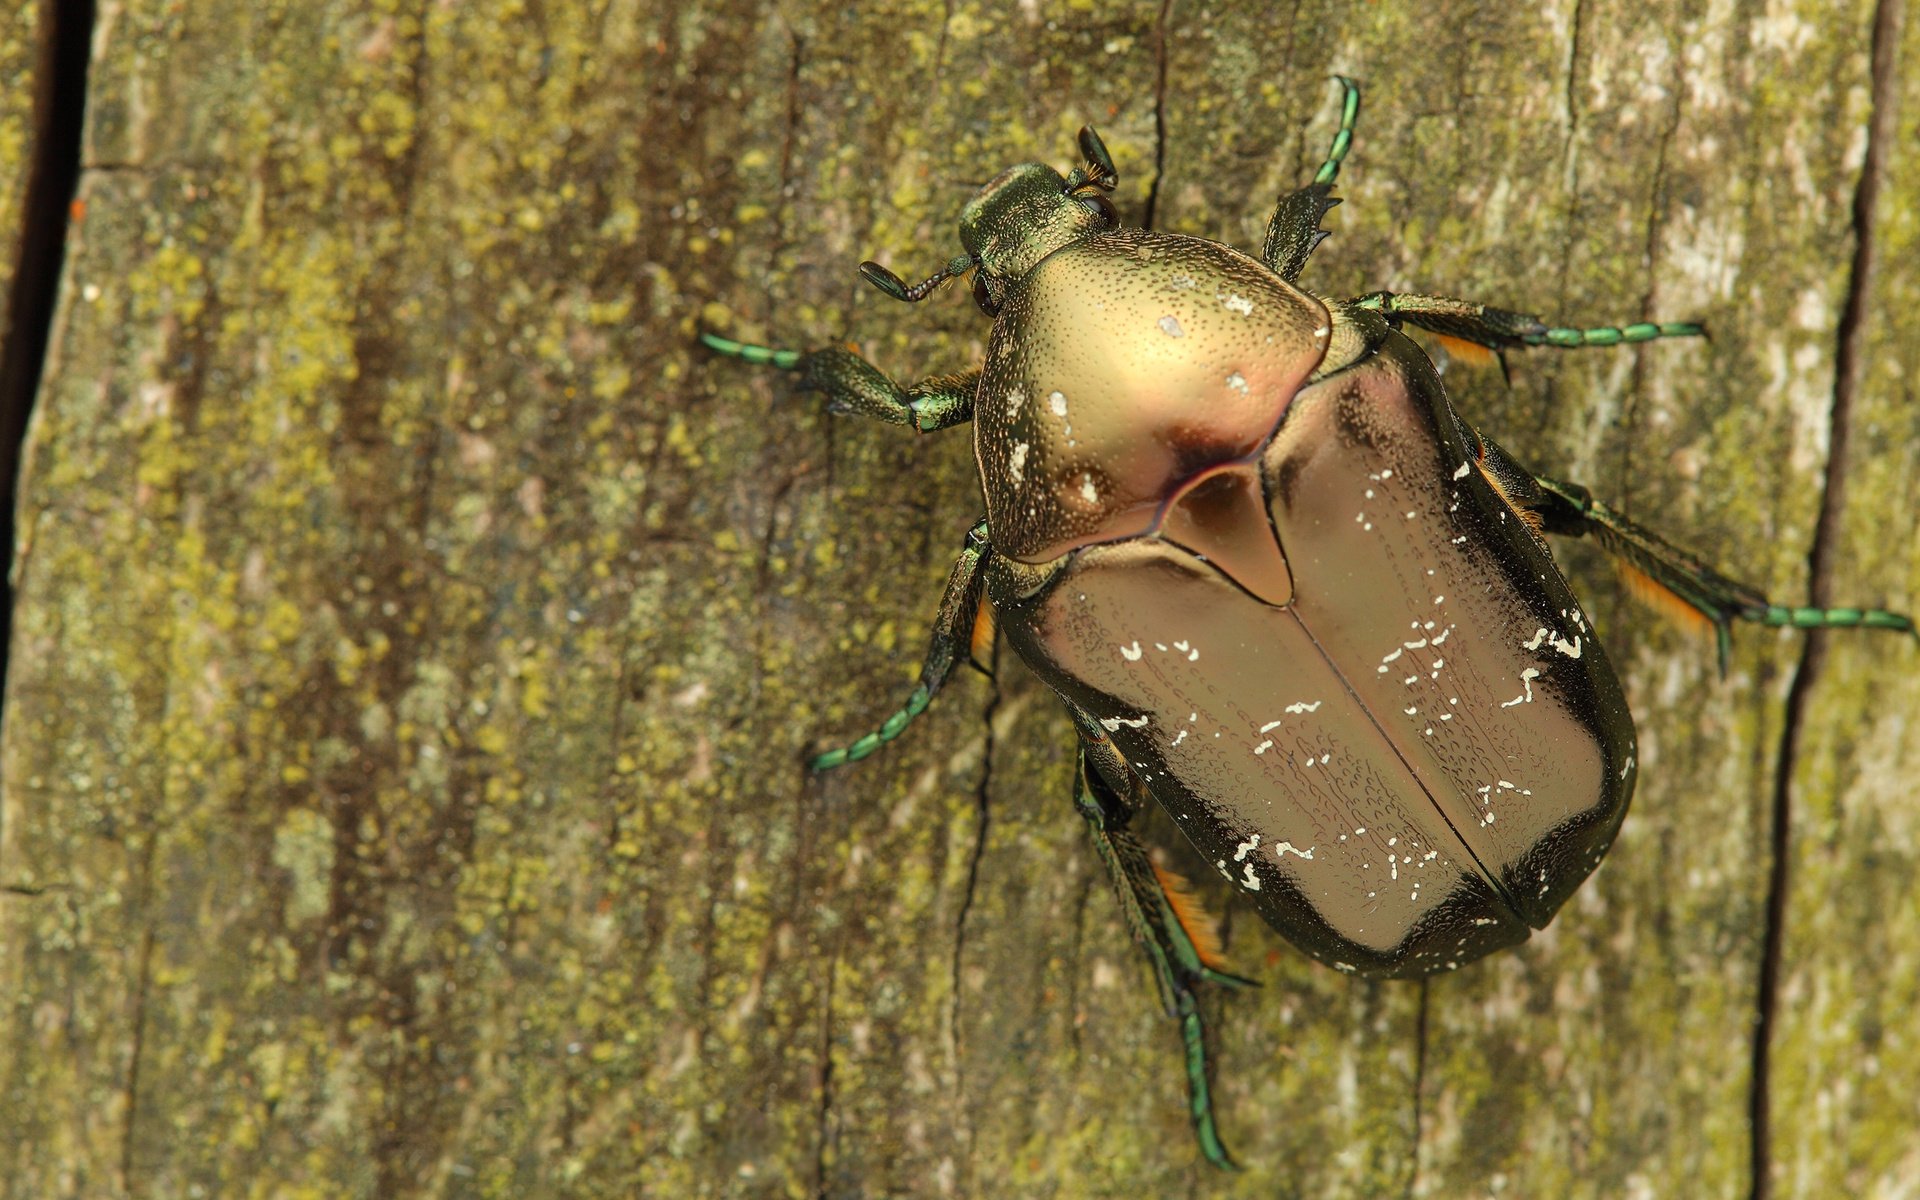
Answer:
[(1016, 219)]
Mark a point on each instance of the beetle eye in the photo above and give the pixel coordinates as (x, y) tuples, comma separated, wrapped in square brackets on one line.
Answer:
[(1103, 206), (982, 297)]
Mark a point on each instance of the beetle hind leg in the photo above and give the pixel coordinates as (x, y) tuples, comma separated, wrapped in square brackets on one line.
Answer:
[(1163, 919), (1294, 229), (1657, 569), (953, 631)]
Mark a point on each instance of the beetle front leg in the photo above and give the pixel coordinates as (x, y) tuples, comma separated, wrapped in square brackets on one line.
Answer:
[(1656, 568), (851, 384), (952, 631), (1162, 919), (1294, 229)]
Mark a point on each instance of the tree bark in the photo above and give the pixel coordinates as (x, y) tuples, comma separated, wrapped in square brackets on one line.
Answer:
[(420, 637)]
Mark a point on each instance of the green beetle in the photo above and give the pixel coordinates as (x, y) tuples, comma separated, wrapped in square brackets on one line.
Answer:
[(1285, 591)]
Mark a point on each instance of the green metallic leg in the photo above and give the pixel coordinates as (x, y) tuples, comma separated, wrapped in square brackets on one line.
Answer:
[(1151, 917), (1569, 509), (851, 384), (1500, 329), (952, 627), (1294, 229)]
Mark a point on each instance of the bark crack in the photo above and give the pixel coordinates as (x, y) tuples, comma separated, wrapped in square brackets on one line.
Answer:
[(1570, 153), (823, 1118), (982, 813), (789, 138), (1656, 218), (46, 204), (138, 1019), (1848, 372), (1571, 166), (1419, 1083), (1159, 112)]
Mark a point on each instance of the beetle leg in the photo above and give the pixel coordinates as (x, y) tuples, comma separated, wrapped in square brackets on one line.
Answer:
[(953, 628), (1659, 570), (1464, 326), (851, 384), (1153, 915), (1294, 229)]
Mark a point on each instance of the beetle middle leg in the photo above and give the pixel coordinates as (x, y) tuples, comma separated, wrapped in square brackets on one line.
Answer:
[(1158, 916), (1660, 570), (851, 384), (1465, 326), (952, 632), (1294, 229)]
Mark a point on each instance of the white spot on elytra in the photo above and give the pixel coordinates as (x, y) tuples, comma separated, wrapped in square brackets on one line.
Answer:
[(1016, 396), (1171, 327), (1088, 492), (1017, 462), (1240, 304), (1132, 653), (1181, 738), (1282, 849), (1248, 879), (1058, 402), (1263, 747), (1526, 680), (1245, 848), (1462, 472), (1237, 382), (1113, 724), (1569, 648), (1298, 707)]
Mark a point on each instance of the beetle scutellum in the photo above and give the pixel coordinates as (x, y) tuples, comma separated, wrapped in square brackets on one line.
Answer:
[(1283, 589)]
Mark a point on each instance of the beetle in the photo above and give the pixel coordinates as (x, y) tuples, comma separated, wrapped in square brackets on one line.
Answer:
[(1284, 590)]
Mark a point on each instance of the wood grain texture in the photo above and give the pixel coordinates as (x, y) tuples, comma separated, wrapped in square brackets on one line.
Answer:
[(420, 637)]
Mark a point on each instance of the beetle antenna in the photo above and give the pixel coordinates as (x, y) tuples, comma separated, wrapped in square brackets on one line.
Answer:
[(1099, 171), (896, 287)]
